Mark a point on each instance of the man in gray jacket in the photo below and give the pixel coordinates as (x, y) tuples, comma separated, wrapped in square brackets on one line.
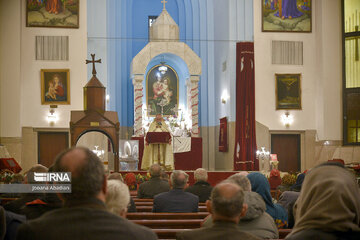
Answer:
[(256, 221), (155, 185)]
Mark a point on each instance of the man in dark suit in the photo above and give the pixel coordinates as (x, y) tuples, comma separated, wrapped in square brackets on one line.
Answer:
[(155, 185), (227, 207), (84, 215), (201, 188), (176, 200)]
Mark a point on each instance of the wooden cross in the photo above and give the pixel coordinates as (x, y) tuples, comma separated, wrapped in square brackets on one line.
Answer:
[(93, 61), (164, 2)]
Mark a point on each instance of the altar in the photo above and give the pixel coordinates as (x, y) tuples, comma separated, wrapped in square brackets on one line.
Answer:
[(166, 75), (183, 161)]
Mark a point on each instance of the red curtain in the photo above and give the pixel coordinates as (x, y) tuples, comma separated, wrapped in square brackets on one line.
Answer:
[(245, 139)]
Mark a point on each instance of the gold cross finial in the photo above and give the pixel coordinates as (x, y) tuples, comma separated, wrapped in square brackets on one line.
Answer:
[(93, 61), (164, 2)]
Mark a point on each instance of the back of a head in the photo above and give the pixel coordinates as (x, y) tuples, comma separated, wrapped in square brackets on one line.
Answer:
[(87, 172), (200, 174), (241, 180), (227, 200), (329, 200), (155, 170), (116, 176), (179, 179), (36, 168), (260, 184), (117, 196)]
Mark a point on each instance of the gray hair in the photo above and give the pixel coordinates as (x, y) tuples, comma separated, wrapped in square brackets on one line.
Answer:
[(116, 176), (179, 179), (86, 180), (200, 174), (117, 196), (227, 206), (241, 181), (155, 170), (36, 168)]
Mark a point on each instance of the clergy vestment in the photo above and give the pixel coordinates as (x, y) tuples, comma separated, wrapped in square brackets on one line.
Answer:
[(161, 154)]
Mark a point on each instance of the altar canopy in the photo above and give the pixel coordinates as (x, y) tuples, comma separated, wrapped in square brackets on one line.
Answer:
[(245, 138)]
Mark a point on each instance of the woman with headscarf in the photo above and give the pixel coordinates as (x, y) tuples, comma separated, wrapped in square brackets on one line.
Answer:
[(328, 206), (299, 181), (261, 185)]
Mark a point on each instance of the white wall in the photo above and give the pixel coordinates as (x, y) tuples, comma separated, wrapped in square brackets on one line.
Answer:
[(32, 112), (10, 89), (321, 73)]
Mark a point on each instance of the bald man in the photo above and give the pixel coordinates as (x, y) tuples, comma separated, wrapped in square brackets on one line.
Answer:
[(84, 215), (227, 207)]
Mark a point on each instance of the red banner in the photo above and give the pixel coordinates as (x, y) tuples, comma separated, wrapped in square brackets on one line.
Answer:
[(245, 138)]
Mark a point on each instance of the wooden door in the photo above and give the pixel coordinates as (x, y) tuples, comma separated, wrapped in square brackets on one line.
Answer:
[(50, 144), (287, 148)]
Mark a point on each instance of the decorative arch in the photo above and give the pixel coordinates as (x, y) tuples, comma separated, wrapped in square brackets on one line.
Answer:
[(138, 70)]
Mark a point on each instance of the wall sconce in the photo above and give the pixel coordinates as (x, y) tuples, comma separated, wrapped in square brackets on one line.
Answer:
[(287, 119), (224, 97), (52, 117), (107, 98)]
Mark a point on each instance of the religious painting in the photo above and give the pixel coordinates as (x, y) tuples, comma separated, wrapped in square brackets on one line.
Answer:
[(288, 91), (286, 15), (55, 86), (52, 13), (223, 145), (162, 91)]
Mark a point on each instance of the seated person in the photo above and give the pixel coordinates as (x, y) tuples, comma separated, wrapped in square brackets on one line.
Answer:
[(260, 185), (256, 221), (201, 188), (17, 205), (9, 223), (227, 207), (117, 197), (84, 215), (155, 185), (117, 176), (176, 200), (41, 205), (328, 206)]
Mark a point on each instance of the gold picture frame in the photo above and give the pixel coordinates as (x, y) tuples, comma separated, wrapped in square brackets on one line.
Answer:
[(55, 86), (288, 91)]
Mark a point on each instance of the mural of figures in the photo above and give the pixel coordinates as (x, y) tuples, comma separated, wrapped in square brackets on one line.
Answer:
[(286, 15), (52, 13), (162, 91)]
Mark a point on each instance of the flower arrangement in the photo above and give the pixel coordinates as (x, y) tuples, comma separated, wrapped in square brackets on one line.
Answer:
[(6, 176), (289, 179)]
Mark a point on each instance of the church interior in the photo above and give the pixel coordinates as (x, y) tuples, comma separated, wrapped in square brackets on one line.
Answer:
[(224, 86), (200, 48)]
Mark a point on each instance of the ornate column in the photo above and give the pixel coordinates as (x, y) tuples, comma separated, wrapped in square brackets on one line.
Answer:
[(138, 95), (195, 131)]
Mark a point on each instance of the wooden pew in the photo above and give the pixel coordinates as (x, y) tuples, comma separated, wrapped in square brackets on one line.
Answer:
[(4, 201), (150, 215), (150, 203), (170, 223), (168, 233), (283, 233), (149, 208)]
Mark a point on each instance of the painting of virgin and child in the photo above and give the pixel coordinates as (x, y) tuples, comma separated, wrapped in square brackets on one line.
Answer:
[(286, 15), (55, 87), (162, 90)]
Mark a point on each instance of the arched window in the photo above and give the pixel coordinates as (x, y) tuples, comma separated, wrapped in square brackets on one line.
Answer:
[(351, 72)]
